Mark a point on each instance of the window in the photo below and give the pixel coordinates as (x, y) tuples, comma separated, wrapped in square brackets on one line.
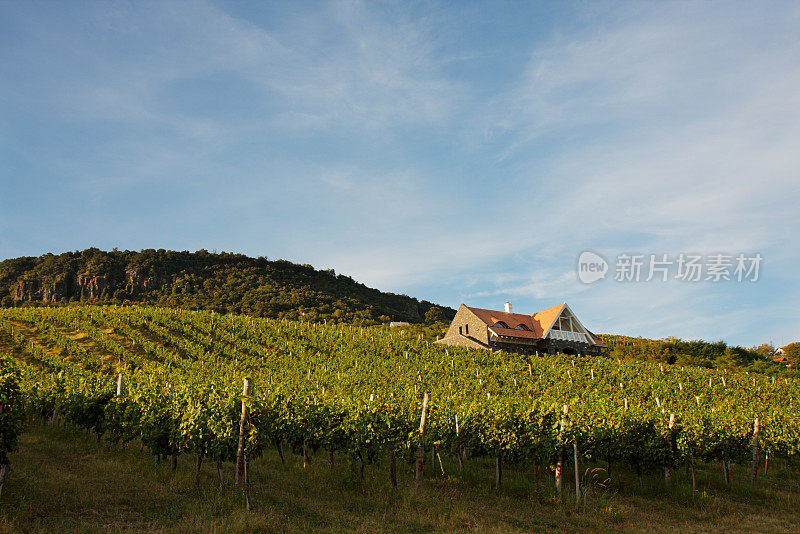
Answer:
[(499, 324), (466, 328), (460, 333), (522, 327)]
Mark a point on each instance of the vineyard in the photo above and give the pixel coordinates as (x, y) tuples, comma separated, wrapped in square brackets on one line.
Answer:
[(225, 389)]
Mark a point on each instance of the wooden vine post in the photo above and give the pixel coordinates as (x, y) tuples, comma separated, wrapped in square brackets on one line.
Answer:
[(671, 438), (240, 471), (120, 385), (755, 451), (421, 447), (498, 471), (726, 475), (577, 474), (460, 453), (393, 467), (3, 474), (560, 459)]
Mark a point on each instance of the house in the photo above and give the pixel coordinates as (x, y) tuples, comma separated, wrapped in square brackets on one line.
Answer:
[(779, 356), (551, 331)]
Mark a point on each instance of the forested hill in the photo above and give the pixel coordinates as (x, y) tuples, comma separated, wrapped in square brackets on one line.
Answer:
[(203, 280)]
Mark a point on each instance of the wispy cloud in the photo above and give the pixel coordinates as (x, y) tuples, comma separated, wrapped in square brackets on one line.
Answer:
[(341, 66)]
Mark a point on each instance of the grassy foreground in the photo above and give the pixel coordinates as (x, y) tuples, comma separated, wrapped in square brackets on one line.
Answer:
[(61, 481)]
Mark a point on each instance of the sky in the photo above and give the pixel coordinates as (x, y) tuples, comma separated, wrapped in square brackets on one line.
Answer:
[(455, 152)]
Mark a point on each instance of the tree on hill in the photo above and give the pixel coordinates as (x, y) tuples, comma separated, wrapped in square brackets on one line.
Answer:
[(436, 315), (766, 350)]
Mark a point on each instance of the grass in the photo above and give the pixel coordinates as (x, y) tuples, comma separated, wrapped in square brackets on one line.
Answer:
[(61, 481)]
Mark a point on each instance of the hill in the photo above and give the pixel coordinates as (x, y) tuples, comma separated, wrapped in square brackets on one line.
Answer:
[(225, 283)]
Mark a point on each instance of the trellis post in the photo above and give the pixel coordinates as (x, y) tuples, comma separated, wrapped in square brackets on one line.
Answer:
[(560, 459), (755, 451), (668, 466), (577, 473), (246, 392), (421, 447)]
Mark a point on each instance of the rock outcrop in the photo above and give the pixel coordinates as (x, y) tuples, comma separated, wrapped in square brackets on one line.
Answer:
[(137, 281), (46, 289), (91, 286), (84, 285)]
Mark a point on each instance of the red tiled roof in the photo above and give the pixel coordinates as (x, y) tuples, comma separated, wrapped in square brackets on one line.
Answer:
[(513, 320), (513, 332), (537, 324)]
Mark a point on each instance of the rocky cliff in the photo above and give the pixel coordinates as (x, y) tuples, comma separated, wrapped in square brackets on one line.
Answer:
[(55, 288)]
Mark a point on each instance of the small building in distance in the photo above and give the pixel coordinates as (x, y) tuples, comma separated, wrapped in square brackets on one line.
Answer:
[(551, 331)]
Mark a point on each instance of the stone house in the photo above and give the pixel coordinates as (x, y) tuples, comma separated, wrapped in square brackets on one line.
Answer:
[(551, 331)]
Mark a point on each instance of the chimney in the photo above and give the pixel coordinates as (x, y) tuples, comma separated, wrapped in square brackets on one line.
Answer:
[(508, 307)]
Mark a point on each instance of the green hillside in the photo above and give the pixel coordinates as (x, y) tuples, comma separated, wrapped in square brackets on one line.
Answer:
[(225, 283), (697, 353)]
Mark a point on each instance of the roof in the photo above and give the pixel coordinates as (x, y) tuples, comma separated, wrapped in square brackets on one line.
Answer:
[(538, 324), (598, 341), (512, 332), (513, 320), (547, 317)]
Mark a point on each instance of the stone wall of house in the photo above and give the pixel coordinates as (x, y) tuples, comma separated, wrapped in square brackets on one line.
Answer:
[(470, 324)]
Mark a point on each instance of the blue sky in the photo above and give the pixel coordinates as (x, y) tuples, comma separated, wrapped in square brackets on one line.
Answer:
[(457, 152)]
